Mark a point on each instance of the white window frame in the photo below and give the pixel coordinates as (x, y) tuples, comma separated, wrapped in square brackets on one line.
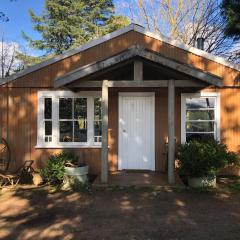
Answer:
[(215, 95), (56, 95)]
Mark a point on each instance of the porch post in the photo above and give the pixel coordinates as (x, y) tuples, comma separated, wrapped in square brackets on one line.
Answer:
[(104, 154), (138, 70), (171, 131)]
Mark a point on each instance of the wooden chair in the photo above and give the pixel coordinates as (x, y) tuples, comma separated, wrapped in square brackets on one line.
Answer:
[(14, 178)]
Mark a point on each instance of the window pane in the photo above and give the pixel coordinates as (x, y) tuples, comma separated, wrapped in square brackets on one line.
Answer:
[(195, 103), (80, 131), (97, 120), (48, 108), (200, 115), (200, 127), (48, 131), (65, 108), (97, 131), (97, 109), (48, 128), (80, 108), (66, 131), (199, 136)]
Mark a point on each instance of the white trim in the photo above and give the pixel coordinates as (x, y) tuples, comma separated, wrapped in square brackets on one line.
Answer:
[(73, 147), (215, 95), (55, 95), (131, 27)]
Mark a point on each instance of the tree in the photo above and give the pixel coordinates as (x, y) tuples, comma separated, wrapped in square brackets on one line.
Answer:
[(8, 61), (231, 13), (26, 60), (186, 21), (114, 23), (64, 24)]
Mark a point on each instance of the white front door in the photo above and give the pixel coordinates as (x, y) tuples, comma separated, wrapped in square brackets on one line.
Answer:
[(136, 131)]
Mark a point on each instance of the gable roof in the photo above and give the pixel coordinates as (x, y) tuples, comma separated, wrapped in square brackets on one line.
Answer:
[(136, 51), (131, 27)]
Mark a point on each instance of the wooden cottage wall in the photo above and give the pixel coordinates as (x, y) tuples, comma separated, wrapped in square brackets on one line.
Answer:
[(18, 118)]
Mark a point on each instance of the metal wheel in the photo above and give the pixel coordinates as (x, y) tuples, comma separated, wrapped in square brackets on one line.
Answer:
[(4, 155)]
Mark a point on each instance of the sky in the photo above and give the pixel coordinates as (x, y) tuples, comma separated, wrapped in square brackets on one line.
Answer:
[(19, 20)]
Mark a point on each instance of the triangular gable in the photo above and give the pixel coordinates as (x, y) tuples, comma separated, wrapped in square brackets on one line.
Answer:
[(132, 27), (137, 51)]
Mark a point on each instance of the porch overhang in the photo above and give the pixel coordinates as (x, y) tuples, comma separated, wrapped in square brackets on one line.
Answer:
[(85, 77), (133, 52)]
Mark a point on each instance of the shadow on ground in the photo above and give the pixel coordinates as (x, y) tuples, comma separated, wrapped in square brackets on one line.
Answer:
[(119, 214)]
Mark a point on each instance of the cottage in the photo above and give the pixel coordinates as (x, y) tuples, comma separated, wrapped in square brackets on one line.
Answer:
[(121, 102)]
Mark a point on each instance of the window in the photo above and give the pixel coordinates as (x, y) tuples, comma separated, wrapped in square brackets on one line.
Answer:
[(73, 119), (67, 119), (200, 116)]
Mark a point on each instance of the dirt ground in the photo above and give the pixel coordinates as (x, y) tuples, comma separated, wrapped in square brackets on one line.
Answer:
[(119, 214)]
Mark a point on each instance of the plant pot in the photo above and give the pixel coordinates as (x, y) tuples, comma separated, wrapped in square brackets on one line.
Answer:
[(79, 173), (201, 182)]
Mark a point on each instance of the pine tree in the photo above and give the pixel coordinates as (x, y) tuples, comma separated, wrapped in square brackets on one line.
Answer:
[(64, 24), (231, 13)]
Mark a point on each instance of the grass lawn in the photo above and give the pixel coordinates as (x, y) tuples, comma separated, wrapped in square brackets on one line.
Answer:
[(118, 213)]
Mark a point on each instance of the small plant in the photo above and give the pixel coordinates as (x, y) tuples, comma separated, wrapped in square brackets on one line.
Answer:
[(54, 171), (204, 158)]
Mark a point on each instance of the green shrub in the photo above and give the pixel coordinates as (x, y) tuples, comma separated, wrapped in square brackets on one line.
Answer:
[(204, 158), (54, 171)]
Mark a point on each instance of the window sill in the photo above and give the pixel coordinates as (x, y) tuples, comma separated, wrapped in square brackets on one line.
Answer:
[(66, 146)]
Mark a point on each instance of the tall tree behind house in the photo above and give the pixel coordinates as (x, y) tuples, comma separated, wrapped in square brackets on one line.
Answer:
[(64, 24)]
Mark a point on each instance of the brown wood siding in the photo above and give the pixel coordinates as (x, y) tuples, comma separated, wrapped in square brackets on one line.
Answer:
[(3, 112), (230, 118), (19, 126), (18, 103)]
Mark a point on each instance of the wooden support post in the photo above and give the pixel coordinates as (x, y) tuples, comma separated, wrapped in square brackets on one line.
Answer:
[(138, 70), (171, 131), (104, 155)]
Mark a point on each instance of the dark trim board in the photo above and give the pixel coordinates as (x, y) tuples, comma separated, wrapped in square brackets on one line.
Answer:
[(135, 84)]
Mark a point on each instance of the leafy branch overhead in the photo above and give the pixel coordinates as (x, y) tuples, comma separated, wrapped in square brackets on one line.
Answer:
[(69, 23)]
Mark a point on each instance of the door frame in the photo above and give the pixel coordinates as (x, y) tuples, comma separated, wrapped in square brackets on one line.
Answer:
[(137, 94)]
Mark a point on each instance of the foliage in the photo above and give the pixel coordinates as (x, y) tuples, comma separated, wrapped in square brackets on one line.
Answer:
[(204, 158), (231, 13), (54, 171), (114, 23), (69, 23)]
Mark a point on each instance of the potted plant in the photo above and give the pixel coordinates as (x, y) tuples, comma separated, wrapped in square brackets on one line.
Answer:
[(75, 168), (64, 168), (200, 161)]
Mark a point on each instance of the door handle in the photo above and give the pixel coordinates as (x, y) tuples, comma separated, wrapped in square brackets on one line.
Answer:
[(124, 130)]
